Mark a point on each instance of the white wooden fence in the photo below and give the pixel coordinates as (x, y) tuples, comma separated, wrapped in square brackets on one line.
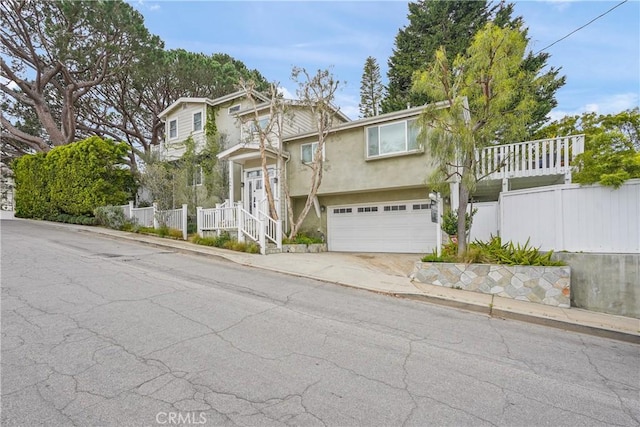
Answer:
[(567, 217), (153, 217)]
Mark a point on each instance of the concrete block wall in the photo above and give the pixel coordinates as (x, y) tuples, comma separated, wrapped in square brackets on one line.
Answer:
[(608, 283)]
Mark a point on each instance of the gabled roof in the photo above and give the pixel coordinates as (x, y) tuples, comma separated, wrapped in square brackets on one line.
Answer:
[(211, 102), (291, 102), (250, 150)]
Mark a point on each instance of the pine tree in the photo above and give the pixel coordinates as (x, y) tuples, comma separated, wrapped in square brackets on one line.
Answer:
[(371, 89), (432, 23)]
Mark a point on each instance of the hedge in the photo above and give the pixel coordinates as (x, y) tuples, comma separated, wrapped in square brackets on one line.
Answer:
[(73, 179)]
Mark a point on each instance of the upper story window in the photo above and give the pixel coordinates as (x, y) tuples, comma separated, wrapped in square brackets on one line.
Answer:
[(262, 123), (250, 127), (234, 109), (307, 152), (173, 129), (392, 138), (197, 121)]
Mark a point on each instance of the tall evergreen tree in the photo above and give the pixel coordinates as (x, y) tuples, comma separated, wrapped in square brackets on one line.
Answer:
[(371, 89), (432, 23)]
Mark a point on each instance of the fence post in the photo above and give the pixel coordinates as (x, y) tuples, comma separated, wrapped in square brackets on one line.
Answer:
[(184, 222), (239, 221), (199, 220), (156, 225), (279, 234), (130, 210)]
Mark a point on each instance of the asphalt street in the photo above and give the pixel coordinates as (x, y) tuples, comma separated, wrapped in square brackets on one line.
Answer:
[(103, 332)]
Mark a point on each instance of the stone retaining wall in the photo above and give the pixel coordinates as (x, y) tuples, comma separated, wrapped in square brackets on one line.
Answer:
[(544, 285), (299, 248)]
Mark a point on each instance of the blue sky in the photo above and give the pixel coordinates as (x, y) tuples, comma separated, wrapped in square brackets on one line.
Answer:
[(601, 61)]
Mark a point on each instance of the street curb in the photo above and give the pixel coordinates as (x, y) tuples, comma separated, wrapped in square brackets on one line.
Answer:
[(522, 317), (159, 242)]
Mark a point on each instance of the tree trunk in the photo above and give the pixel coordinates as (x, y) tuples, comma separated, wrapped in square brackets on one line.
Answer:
[(462, 218)]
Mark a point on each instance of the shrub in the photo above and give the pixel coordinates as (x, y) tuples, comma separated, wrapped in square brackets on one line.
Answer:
[(495, 252), (111, 217), (32, 187), (73, 179), (450, 222), (302, 239), (224, 241), (72, 219)]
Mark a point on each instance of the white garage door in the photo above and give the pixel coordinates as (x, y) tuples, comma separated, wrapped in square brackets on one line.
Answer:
[(382, 227)]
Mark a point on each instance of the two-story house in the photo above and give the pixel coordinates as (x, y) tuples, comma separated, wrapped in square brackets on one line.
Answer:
[(373, 196)]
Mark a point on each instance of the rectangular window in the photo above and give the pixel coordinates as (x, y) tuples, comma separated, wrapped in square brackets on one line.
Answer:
[(392, 138), (393, 208), (421, 206), (342, 210), (173, 129), (234, 109), (197, 121), (368, 209), (307, 152), (198, 176)]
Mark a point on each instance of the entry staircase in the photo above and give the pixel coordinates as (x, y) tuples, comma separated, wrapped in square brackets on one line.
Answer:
[(232, 217)]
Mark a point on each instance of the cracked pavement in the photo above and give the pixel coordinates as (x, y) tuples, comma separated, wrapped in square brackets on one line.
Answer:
[(103, 332)]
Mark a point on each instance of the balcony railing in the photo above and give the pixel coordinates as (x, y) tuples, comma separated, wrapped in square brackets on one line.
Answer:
[(552, 156)]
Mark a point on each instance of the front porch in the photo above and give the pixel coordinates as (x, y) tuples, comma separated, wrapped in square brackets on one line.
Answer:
[(246, 212)]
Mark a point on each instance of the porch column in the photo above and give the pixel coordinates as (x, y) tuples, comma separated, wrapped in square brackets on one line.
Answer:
[(231, 183)]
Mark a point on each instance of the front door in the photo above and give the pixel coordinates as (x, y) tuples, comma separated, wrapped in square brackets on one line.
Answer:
[(255, 194), (254, 191)]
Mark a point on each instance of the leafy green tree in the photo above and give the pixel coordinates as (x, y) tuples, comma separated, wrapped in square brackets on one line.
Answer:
[(480, 106), (612, 145), (136, 99), (371, 89), (452, 25), (432, 24)]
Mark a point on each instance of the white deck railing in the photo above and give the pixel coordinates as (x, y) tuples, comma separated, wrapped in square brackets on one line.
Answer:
[(552, 156)]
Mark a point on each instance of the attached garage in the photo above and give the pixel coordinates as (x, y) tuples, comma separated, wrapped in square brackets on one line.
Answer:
[(382, 227)]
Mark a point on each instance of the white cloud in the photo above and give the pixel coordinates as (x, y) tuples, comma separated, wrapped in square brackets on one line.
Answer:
[(561, 5), (607, 105), (351, 111), (285, 93)]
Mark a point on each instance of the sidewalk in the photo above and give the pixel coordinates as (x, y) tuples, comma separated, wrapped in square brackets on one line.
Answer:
[(388, 274)]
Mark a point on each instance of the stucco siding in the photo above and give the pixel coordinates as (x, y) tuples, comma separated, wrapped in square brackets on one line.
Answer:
[(346, 170)]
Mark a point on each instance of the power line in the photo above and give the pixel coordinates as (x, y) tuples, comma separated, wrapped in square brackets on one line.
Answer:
[(578, 29)]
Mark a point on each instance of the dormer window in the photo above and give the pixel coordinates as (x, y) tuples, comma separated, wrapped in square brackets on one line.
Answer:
[(197, 121), (173, 129)]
